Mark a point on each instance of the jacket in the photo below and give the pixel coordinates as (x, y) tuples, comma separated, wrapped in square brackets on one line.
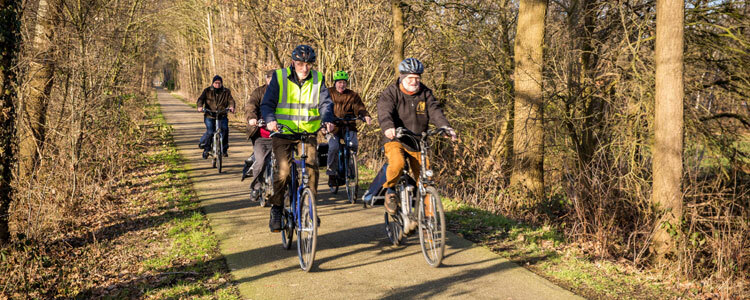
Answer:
[(347, 103), (414, 112), (271, 98), (215, 99), (252, 110)]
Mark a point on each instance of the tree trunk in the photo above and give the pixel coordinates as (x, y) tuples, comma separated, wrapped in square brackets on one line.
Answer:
[(668, 125), (397, 26), (528, 134), (34, 109), (211, 43), (10, 42)]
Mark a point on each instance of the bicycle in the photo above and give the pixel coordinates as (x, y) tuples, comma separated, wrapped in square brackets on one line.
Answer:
[(423, 200), (265, 191), (347, 161), (300, 212), (218, 144)]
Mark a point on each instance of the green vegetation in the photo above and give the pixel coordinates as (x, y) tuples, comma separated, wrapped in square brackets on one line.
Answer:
[(190, 257), (544, 251)]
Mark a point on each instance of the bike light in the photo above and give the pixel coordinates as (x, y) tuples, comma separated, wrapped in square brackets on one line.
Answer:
[(428, 173)]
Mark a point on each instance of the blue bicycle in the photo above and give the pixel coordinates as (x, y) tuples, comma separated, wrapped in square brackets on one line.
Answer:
[(300, 212), (347, 173)]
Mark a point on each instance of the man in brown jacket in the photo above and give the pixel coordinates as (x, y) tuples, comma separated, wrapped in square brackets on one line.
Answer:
[(216, 98), (345, 103), (410, 104), (259, 136)]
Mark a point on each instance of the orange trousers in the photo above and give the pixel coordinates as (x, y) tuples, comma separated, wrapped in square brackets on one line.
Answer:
[(396, 155)]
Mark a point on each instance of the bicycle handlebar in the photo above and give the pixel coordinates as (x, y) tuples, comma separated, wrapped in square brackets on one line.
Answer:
[(401, 132), (295, 135), (216, 112), (347, 119)]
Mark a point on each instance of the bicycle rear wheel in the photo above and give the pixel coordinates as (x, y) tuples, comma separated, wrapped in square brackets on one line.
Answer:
[(394, 228), (352, 178), (432, 227), (307, 233)]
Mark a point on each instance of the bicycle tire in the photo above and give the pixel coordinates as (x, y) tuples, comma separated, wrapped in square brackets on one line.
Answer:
[(287, 226), (352, 178), (219, 151), (394, 229), (307, 232), (432, 227)]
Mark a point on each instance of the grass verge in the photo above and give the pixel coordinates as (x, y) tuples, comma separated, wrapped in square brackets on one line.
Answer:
[(545, 252), (146, 238)]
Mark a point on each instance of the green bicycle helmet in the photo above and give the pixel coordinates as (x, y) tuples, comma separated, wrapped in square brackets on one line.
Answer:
[(340, 75)]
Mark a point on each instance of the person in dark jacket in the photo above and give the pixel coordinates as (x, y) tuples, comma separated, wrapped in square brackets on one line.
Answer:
[(345, 102), (258, 135), (410, 104), (216, 98), (296, 97)]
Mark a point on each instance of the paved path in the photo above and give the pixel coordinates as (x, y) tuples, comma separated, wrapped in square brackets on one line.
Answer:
[(354, 258)]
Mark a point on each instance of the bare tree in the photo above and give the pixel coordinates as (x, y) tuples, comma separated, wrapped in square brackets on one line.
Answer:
[(397, 25), (528, 133), (41, 71), (668, 125)]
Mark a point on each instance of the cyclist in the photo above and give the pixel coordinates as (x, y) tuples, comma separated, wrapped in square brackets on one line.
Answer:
[(259, 136), (215, 97), (410, 104), (298, 98), (345, 102)]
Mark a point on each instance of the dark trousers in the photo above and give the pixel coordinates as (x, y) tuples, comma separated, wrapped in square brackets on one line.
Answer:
[(282, 149), (333, 149), (262, 149), (208, 137)]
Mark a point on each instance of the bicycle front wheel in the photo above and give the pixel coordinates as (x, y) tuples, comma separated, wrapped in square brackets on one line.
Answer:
[(307, 233), (352, 178), (287, 225), (432, 227), (218, 150)]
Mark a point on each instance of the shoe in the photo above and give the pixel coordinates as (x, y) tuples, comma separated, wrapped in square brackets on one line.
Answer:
[(205, 154), (391, 203), (330, 172), (247, 170), (254, 195), (275, 222), (226, 154)]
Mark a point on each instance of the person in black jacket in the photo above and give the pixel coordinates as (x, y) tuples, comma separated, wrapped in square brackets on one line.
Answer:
[(215, 97)]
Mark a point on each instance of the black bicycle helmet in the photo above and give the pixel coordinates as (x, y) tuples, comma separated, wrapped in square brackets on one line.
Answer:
[(304, 53), (410, 66)]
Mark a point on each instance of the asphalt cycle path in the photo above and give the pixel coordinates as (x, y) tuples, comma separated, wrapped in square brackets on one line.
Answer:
[(354, 258)]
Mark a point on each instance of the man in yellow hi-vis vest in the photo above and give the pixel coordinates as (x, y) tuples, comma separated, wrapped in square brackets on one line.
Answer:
[(298, 98)]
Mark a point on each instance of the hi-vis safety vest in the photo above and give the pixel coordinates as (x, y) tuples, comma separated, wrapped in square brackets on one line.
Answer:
[(298, 107)]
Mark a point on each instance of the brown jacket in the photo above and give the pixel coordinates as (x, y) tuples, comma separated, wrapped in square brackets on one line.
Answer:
[(252, 110), (414, 112), (347, 103), (216, 99)]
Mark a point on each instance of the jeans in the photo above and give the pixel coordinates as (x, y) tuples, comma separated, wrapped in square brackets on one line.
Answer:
[(208, 137), (333, 150)]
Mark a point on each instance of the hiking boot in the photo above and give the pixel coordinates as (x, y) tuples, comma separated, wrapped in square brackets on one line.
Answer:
[(275, 222), (254, 194), (391, 203), (225, 153), (205, 154)]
